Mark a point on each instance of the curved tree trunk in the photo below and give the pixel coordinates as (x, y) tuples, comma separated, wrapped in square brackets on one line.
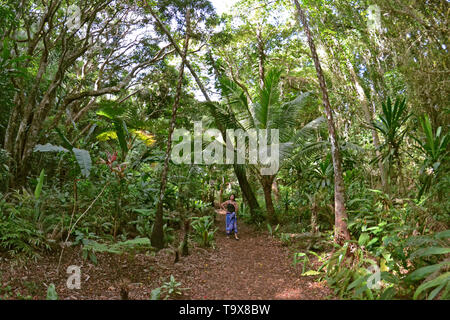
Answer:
[(240, 172)]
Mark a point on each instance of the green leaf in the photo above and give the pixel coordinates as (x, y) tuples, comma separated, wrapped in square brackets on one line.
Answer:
[(442, 235), (37, 191), (363, 238), (84, 161), (443, 278), (311, 273), (84, 254), (435, 292), (358, 282), (51, 292), (107, 135), (66, 142), (155, 294), (119, 127), (388, 294), (372, 241), (425, 271), (93, 257), (386, 276), (429, 251)]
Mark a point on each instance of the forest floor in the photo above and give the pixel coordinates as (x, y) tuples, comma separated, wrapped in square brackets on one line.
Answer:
[(255, 267)]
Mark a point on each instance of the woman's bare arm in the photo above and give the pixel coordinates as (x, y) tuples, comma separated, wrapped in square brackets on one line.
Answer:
[(223, 204)]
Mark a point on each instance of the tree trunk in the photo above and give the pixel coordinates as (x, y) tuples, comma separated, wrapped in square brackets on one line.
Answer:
[(221, 191), (275, 190), (247, 191), (261, 57), (267, 187), (314, 215), (157, 237), (240, 172), (341, 230)]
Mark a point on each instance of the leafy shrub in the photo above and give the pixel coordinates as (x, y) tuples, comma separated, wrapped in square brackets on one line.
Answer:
[(22, 232), (432, 258), (169, 290), (285, 239), (4, 169), (90, 246), (435, 148), (204, 230), (144, 221), (304, 259), (351, 276), (272, 231), (51, 292)]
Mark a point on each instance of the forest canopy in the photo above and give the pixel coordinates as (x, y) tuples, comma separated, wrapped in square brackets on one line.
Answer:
[(126, 124)]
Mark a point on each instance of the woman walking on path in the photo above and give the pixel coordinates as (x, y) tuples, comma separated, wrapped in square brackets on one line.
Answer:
[(231, 220)]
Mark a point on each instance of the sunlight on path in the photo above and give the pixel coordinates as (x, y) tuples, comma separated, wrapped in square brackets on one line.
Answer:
[(256, 267)]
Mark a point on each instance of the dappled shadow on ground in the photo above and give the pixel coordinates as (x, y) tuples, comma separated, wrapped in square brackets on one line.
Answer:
[(255, 267)]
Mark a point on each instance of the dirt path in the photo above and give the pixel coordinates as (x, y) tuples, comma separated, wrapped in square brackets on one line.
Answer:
[(255, 267)]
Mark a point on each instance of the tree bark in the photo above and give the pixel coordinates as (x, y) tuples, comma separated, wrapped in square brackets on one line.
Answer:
[(247, 191), (341, 229), (314, 215), (157, 237), (32, 106), (267, 188), (221, 191), (261, 57), (242, 178), (276, 191)]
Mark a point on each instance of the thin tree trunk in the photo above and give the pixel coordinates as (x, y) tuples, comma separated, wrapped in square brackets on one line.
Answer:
[(276, 191), (240, 172), (221, 191), (341, 229), (314, 214), (261, 58), (157, 237)]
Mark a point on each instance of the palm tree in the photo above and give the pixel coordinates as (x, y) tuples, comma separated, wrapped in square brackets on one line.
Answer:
[(391, 123), (267, 112)]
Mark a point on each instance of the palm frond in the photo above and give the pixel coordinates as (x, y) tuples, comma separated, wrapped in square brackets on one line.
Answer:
[(268, 98), (307, 132)]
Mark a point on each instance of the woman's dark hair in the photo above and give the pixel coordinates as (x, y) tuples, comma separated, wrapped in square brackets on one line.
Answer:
[(230, 208)]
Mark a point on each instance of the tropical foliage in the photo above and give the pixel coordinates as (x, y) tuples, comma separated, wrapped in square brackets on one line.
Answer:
[(357, 93)]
